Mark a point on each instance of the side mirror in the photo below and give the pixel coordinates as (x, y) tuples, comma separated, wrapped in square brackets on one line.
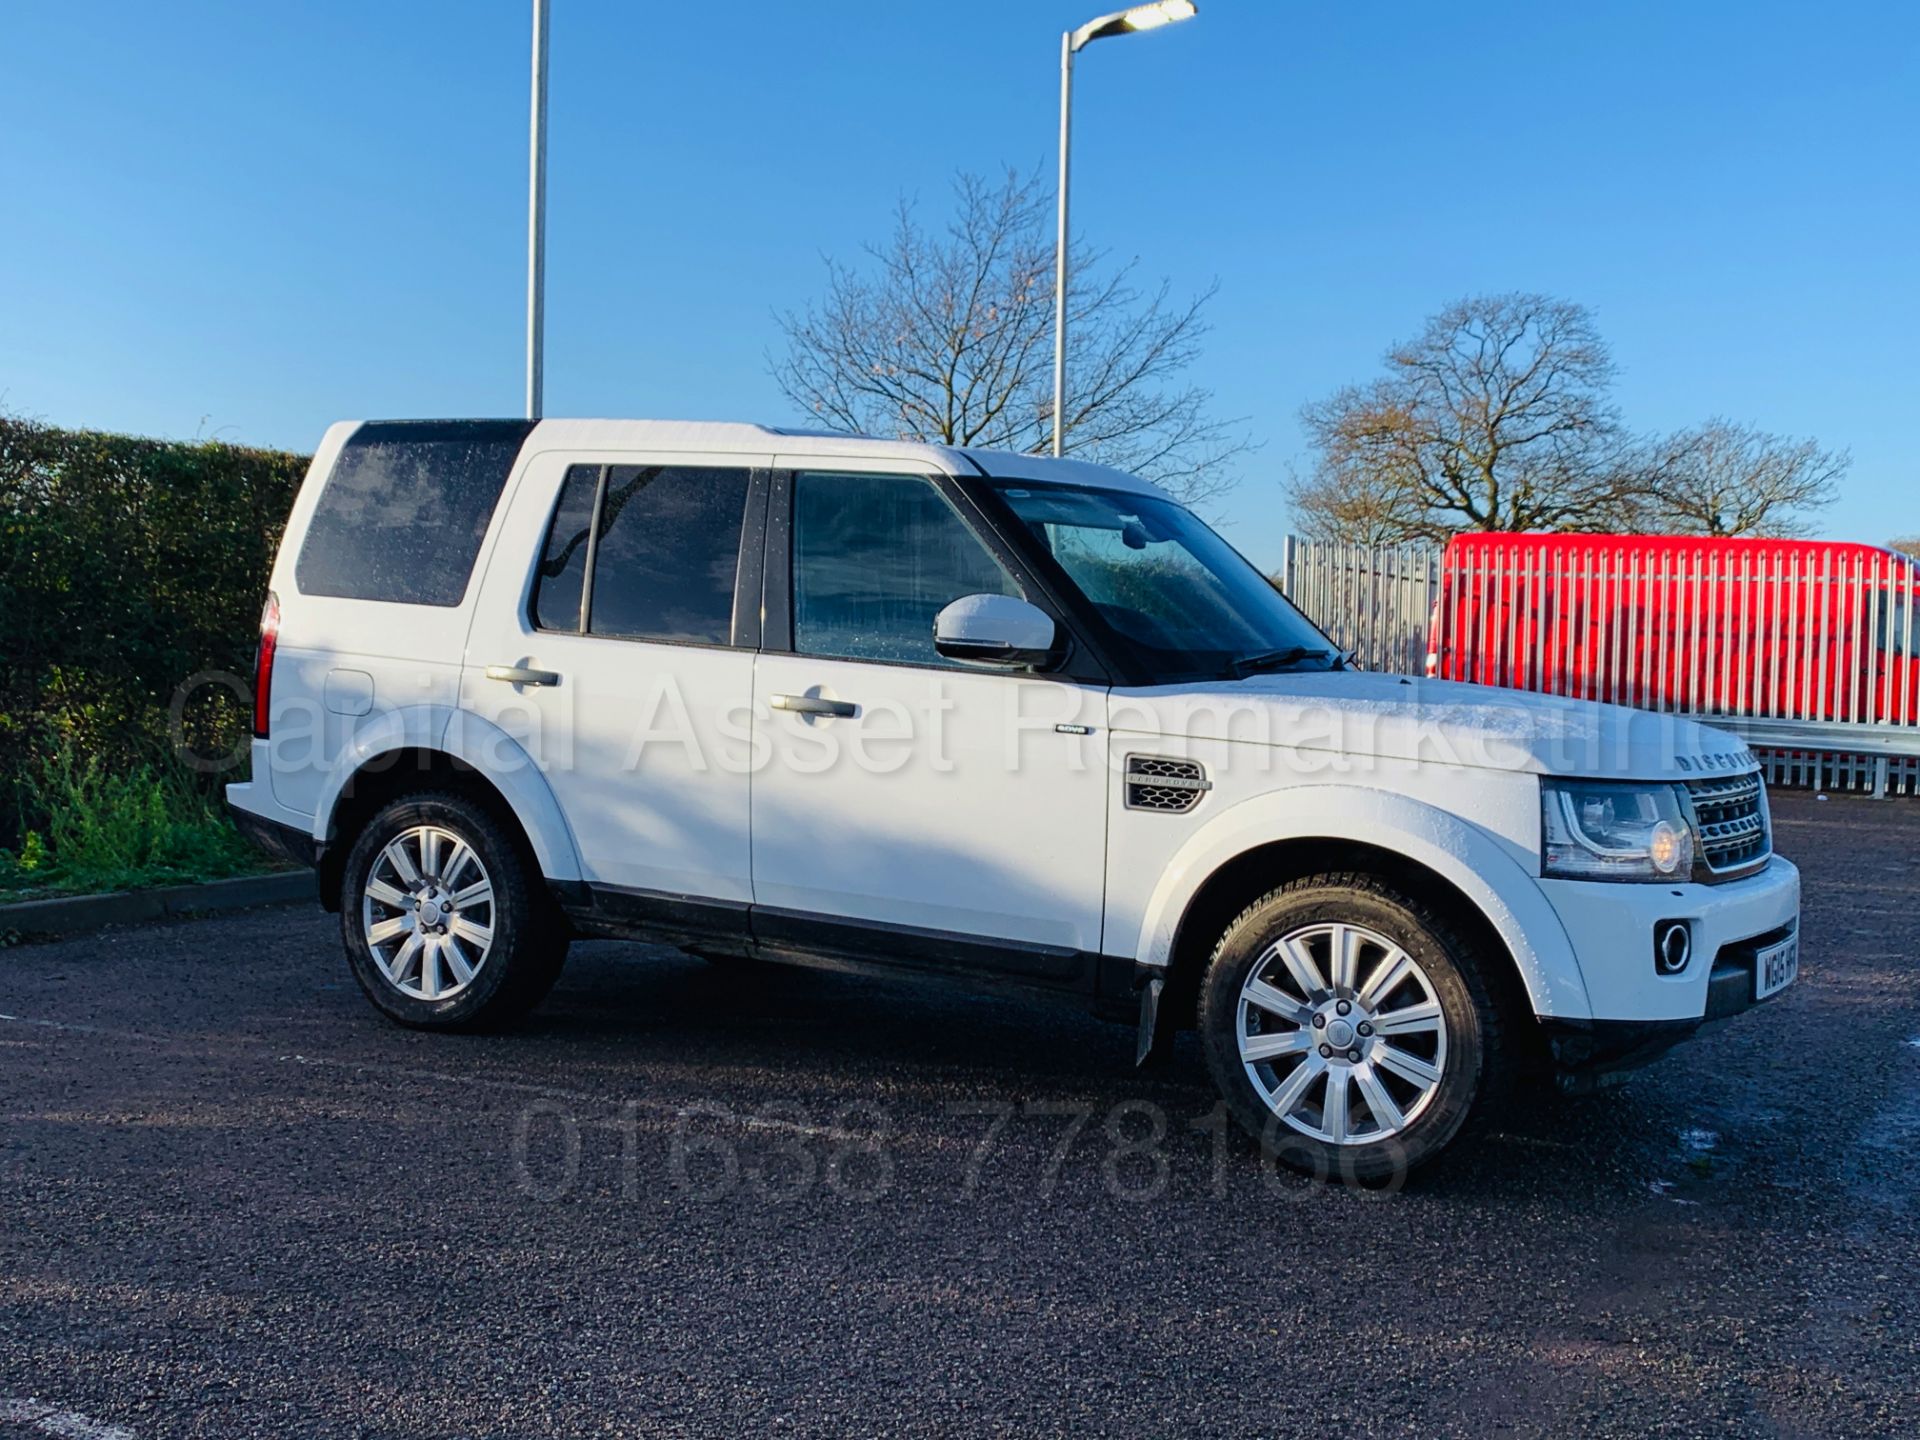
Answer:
[(995, 630)]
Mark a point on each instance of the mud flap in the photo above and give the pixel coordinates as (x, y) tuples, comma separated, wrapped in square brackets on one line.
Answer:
[(1155, 1041)]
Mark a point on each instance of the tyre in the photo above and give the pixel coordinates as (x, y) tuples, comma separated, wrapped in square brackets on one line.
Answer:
[(446, 922), (1348, 1027)]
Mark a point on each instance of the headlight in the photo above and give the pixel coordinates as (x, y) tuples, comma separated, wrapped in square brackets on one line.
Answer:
[(1595, 830)]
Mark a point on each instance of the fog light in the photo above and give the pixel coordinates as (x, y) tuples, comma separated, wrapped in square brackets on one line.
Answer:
[(1672, 946)]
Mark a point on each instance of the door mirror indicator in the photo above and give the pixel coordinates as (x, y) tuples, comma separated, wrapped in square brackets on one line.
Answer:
[(996, 630)]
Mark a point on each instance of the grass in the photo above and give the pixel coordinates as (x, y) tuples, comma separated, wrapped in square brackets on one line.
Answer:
[(130, 829)]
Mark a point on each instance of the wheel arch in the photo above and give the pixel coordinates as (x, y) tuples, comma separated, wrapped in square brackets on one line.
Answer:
[(1429, 856), (461, 753)]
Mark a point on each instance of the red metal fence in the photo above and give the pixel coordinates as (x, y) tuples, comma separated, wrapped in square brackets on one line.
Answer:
[(1782, 629), (1807, 648)]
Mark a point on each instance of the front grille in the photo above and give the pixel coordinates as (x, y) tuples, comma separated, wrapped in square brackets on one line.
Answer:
[(1730, 823), (1158, 782)]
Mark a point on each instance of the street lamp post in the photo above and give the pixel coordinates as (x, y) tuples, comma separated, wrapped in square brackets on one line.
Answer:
[(1121, 22), (537, 218)]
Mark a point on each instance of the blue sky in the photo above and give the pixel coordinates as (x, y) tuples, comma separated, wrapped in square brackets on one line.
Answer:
[(249, 220)]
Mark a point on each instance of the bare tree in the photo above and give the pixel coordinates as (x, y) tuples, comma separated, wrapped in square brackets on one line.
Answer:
[(1495, 417), (948, 336), (1721, 478), (1383, 510), (1906, 545)]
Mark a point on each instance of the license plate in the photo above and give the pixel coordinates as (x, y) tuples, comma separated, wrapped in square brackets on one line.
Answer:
[(1775, 967)]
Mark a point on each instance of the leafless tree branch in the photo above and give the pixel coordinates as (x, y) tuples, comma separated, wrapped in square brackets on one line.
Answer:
[(1722, 478), (1497, 417), (948, 336)]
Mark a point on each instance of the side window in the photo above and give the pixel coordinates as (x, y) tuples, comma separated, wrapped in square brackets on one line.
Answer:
[(875, 558), (665, 553), (404, 510), (561, 584)]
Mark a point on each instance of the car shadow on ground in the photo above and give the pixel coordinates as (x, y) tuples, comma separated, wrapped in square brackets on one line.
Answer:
[(623, 1009)]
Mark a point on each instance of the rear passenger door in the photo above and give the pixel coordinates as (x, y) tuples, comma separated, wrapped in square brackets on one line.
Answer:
[(614, 640)]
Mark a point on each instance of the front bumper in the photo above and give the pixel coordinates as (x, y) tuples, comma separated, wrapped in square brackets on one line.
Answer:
[(1638, 1013), (1611, 925), (1586, 1052)]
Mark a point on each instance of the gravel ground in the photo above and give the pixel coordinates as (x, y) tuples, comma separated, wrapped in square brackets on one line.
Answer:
[(694, 1200)]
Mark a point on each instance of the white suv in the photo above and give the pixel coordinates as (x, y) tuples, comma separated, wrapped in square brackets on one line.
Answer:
[(869, 703)]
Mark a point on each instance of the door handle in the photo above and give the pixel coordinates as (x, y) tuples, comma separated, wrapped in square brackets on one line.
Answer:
[(813, 705), (521, 675)]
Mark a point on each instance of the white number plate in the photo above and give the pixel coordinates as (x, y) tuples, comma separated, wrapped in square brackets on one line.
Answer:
[(1775, 967)]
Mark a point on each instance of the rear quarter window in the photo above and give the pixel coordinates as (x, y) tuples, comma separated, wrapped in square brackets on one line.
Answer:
[(404, 510)]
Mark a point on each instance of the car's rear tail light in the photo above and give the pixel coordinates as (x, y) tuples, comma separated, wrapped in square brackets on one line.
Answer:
[(263, 665)]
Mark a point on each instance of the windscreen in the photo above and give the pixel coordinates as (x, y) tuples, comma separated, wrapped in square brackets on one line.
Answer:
[(1173, 591)]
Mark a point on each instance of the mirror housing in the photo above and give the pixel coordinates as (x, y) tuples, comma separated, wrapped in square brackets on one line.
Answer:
[(996, 630)]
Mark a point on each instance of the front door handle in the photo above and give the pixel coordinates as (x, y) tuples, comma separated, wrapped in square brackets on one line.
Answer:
[(813, 705), (521, 675)]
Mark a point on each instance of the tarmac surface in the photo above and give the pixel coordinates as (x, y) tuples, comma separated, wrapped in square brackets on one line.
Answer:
[(691, 1200)]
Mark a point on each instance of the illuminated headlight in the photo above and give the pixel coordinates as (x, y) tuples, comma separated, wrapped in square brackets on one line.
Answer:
[(1595, 830)]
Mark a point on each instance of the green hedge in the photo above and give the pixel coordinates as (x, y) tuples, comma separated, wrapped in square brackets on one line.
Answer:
[(126, 566)]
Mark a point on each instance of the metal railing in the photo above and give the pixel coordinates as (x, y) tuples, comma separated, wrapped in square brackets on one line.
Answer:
[(1374, 600), (1810, 656)]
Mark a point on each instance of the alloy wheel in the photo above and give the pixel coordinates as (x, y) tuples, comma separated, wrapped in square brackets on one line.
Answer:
[(1341, 1033), (427, 912)]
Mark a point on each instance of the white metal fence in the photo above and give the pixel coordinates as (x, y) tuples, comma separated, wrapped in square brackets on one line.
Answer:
[(1378, 601), (1374, 600)]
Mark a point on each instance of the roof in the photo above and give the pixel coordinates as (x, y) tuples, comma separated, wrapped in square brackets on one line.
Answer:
[(727, 437)]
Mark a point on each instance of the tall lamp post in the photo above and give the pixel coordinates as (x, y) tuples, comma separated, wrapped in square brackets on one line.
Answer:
[(537, 218), (1121, 22)]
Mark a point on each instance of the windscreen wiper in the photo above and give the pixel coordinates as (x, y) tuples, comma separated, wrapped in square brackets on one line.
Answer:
[(1279, 659)]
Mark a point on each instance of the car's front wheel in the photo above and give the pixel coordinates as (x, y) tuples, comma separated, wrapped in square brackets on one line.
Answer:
[(1348, 1027), (445, 922)]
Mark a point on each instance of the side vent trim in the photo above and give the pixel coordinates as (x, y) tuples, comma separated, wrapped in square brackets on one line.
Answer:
[(1164, 784)]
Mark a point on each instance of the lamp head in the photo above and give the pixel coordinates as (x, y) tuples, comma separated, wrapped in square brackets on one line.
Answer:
[(1161, 12), (1150, 16)]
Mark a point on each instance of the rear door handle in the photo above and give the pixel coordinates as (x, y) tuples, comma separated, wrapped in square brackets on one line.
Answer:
[(813, 705), (521, 675)]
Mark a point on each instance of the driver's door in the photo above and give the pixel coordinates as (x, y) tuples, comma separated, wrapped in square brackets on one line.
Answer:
[(907, 806)]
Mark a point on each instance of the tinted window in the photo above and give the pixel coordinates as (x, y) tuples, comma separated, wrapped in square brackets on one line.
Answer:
[(561, 581), (668, 553), (875, 558), (403, 513)]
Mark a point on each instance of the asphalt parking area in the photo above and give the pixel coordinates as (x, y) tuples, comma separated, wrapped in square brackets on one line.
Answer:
[(698, 1200)]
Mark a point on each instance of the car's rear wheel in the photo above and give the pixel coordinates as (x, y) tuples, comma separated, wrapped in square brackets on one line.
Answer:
[(445, 922), (1348, 1027)]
